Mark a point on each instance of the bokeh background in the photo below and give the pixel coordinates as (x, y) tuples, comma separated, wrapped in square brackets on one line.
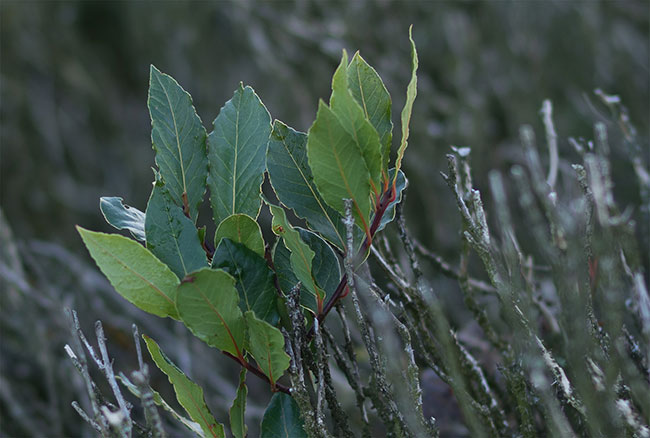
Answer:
[(74, 127)]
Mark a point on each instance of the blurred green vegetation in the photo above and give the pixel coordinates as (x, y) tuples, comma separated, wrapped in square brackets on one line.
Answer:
[(74, 85), (74, 124)]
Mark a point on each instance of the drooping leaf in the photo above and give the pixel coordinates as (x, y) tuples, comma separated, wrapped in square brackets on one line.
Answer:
[(243, 229), (172, 236), (338, 166), (325, 268), (253, 278), (159, 401), (411, 92), (237, 155), (178, 137), (282, 418), (370, 92), (238, 409), (122, 216), (294, 185), (188, 393), (301, 254), (208, 304), (266, 345), (134, 272), (400, 184), (354, 121)]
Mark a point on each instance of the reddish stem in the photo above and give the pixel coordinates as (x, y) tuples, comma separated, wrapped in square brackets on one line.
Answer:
[(255, 370), (388, 197)]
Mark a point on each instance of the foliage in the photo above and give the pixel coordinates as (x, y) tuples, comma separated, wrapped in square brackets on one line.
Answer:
[(516, 355), (234, 304)]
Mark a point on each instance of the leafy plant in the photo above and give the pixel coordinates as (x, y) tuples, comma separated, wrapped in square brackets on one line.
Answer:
[(233, 295)]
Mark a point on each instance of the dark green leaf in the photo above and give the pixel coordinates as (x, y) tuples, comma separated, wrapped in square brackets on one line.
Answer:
[(354, 121), (294, 185), (122, 217), (134, 272), (338, 165), (369, 90), (172, 236), (208, 305), (400, 184), (243, 229), (238, 409), (266, 345), (253, 278), (237, 155), (325, 268), (178, 137), (282, 418), (188, 393)]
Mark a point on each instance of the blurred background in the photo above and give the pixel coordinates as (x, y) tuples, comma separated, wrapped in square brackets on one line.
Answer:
[(75, 126)]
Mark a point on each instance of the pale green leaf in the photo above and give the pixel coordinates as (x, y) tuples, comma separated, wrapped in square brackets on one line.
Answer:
[(238, 409), (172, 236), (368, 89), (294, 185), (301, 254), (282, 418), (253, 277), (266, 345), (243, 229), (208, 304), (159, 401), (354, 121), (237, 155), (122, 216), (411, 92), (178, 137), (325, 268), (338, 166), (188, 393), (134, 272)]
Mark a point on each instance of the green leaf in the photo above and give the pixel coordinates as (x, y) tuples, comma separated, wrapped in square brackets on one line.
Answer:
[(188, 393), (253, 277), (122, 217), (370, 92), (238, 409), (172, 236), (243, 229), (400, 184), (354, 121), (134, 272), (411, 92), (325, 268), (178, 137), (159, 401), (237, 155), (338, 165), (282, 418), (301, 254), (266, 345), (208, 305), (294, 185)]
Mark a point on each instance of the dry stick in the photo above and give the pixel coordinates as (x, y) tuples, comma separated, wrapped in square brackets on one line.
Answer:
[(82, 365), (551, 139), (339, 416), (320, 389), (412, 370), (125, 410), (141, 380), (296, 340), (386, 401)]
